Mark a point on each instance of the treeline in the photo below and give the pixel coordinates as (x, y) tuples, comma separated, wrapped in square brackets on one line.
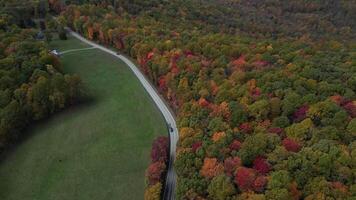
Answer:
[(157, 170), (258, 118), (32, 84), (23, 12), (258, 18)]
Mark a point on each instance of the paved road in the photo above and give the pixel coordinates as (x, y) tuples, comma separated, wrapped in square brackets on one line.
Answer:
[(74, 50), (171, 176)]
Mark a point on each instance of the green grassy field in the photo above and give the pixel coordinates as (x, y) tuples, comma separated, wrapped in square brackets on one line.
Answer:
[(95, 151)]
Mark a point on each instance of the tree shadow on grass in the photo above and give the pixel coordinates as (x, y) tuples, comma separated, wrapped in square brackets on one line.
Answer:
[(29, 132)]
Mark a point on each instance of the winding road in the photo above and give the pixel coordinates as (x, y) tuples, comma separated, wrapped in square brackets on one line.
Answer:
[(168, 116)]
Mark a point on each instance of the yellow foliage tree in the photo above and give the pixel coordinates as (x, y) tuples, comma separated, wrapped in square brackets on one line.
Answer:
[(185, 132), (300, 130), (153, 192)]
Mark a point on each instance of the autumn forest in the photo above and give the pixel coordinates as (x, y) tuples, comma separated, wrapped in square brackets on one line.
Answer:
[(264, 91)]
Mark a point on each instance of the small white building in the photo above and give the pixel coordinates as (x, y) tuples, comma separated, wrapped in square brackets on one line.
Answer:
[(55, 52)]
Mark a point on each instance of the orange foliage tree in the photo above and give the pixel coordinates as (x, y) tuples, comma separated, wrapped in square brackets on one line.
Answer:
[(211, 168)]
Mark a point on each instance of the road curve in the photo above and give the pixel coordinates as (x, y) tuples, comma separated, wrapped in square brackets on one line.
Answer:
[(168, 116)]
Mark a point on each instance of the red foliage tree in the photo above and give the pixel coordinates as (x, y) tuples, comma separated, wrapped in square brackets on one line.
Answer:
[(196, 146), (203, 102), (339, 186), (154, 172), (337, 99), (301, 113), (162, 83), (245, 178), (256, 92), (260, 63), (188, 53), (291, 145), (150, 55), (174, 67), (350, 108), (240, 62), (276, 130), (159, 151), (245, 128), (235, 145), (259, 184), (231, 164), (261, 165)]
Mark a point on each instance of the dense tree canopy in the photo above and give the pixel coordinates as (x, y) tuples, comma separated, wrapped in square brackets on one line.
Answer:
[(264, 91), (32, 84)]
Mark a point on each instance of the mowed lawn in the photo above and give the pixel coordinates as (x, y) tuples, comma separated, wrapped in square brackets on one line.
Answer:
[(98, 150)]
